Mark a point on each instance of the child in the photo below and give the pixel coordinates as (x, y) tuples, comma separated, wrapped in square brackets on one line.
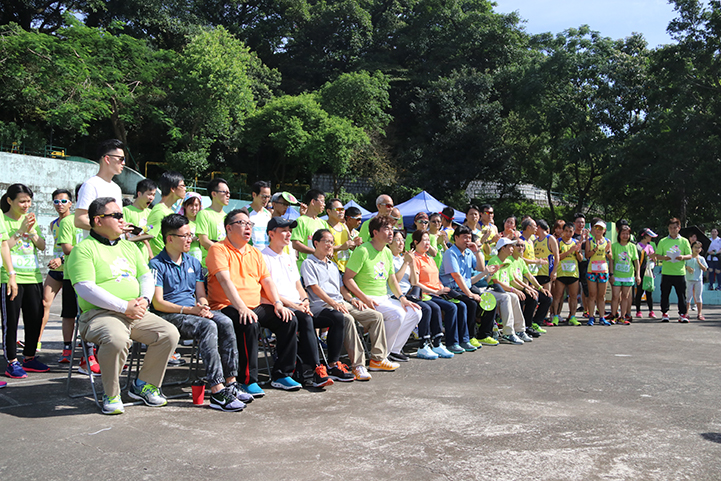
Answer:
[(625, 274), (646, 256), (695, 267)]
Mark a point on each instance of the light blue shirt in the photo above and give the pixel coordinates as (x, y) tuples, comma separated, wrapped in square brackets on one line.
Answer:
[(463, 263)]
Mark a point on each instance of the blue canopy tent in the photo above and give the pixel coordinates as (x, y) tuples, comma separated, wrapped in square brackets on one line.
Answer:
[(365, 213), (424, 202)]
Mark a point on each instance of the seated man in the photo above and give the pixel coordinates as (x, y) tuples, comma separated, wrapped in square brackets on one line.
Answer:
[(538, 299), (511, 313), (114, 288), (285, 274), (180, 299), (368, 272), (326, 292), (236, 275), (459, 264)]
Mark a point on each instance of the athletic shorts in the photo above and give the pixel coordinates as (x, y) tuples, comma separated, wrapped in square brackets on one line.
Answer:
[(569, 281), (57, 275), (622, 284), (597, 276), (543, 279)]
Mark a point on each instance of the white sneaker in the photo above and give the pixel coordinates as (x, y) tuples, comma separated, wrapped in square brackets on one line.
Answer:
[(426, 353), (510, 339), (524, 337), (361, 374)]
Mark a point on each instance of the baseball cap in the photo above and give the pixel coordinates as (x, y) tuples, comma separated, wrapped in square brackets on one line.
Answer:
[(276, 222)]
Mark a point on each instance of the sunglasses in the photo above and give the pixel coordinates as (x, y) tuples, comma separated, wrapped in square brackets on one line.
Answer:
[(354, 218), (339, 209), (389, 206), (60, 201), (422, 222), (114, 215)]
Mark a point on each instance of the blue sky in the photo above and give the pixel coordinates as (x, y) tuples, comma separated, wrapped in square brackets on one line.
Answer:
[(613, 18)]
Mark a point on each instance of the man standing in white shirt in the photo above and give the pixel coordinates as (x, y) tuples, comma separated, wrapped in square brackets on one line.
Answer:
[(111, 158), (259, 215)]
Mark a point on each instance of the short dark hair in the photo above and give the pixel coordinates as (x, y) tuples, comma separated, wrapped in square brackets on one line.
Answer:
[(169, 181), (12, 193), (434, 215), (229, 217), (312, 195), (58, 192), (255, 188), (474, 207), (107, 145), (674, 220), (329, 203), (578, 215), (542, 224), (484, 208), (418, 236), (213, 184), (172, 223), (145, 185), (462, 230), (622, 228), (97, 207), (352, 211), (379, 221), (319, 235), (77, 189), (569, 224), (448, 212)]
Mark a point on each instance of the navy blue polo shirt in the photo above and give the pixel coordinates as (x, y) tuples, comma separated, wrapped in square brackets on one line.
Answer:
[(178, 281)]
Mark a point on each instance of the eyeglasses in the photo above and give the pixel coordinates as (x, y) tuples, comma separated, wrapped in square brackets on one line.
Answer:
[(265, 196), (242, 223), (121, 158), (114, 215), (60, 201), (328, 241), (222, 192), (183, 236)]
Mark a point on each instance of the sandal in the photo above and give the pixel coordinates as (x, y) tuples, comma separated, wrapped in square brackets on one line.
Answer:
[(701, 318)]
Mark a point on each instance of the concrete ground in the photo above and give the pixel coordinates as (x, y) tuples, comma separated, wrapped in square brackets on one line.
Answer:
[(622, 402)]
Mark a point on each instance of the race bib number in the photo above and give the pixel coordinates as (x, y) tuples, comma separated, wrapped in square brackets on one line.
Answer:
[(599, 266), (25, 262), (623, 268), (568, 266)]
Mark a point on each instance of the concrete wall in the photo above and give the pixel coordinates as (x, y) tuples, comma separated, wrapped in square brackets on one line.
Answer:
[(44, 175)]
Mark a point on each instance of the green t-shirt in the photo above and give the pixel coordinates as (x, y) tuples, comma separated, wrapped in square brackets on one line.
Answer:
[(623, 258), (113, 268), (668, 247), (195, 249), (24, 255), (372, 268), (503, 274), (303, 233), (519, 269), (57, 250), (211, 223), (139, 218), (364, 234), (155, 218), (3, 229), (68, 233)]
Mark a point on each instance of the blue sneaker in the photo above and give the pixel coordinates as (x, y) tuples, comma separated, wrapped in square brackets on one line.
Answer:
[(456, 349), (286, 383), (468, 347), (442, 352), (426, 353), (253, 389), (33, 365), (604, 321), (590, 321), (15, 371)]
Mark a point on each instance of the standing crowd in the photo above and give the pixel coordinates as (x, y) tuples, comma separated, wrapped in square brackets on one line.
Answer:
[(154, 275)]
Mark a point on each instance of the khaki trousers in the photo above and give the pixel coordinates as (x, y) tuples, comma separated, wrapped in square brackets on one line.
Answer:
[(114, 332), (372, 322)]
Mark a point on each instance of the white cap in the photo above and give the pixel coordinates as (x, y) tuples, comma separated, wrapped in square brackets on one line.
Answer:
[(503, 242)]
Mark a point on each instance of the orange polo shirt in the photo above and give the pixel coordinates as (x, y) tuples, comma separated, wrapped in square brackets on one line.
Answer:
[(427, 272), (246, 269)]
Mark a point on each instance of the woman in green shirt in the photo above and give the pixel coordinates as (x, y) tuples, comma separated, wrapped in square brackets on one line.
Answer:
[(25, 240), (190, 208)]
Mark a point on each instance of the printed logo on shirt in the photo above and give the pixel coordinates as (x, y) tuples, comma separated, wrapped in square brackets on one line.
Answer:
[(380, 271), (121, 269)]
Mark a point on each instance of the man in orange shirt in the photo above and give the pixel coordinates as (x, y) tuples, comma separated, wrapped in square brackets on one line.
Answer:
[(236, 275)]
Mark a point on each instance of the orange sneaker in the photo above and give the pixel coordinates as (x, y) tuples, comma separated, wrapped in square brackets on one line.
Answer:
[(384, 365)]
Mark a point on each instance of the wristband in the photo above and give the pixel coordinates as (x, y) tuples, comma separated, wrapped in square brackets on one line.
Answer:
[(181, 309), (12, 273)]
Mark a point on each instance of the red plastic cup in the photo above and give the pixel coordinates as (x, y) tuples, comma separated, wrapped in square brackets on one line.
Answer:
[(198, 393)]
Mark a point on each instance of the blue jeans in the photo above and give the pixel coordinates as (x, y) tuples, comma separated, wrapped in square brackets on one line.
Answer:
[(216, 342), (455, 330)]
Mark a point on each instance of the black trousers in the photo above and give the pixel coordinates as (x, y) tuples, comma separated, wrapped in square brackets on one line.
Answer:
[(30, 301), (679, 285), (308, 342), (247, 337), (486, 317)]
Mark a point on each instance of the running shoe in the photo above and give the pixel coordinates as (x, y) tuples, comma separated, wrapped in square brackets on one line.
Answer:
[(455, 348), (361, 374), (590, 321), (532, 332), (638, 314), (683, 318), (147, 393), (652, 315), (468, 347), (555, 320), (94, 366), (488, 341), (65, 357), (15, 371), (511, 339), (604, 321), (33, 365), (538, 328), (398, 357), (624, 321), (286, 383), (426, 353), (3, 384), (475, 342), (384, 365), (113, 405), (340, 372), (253, 389), (548, 323), (572, 321), (176, 360), (523, 336), (320, 376), (442, 352), (240, 394), (664, 317), (224, 400)]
